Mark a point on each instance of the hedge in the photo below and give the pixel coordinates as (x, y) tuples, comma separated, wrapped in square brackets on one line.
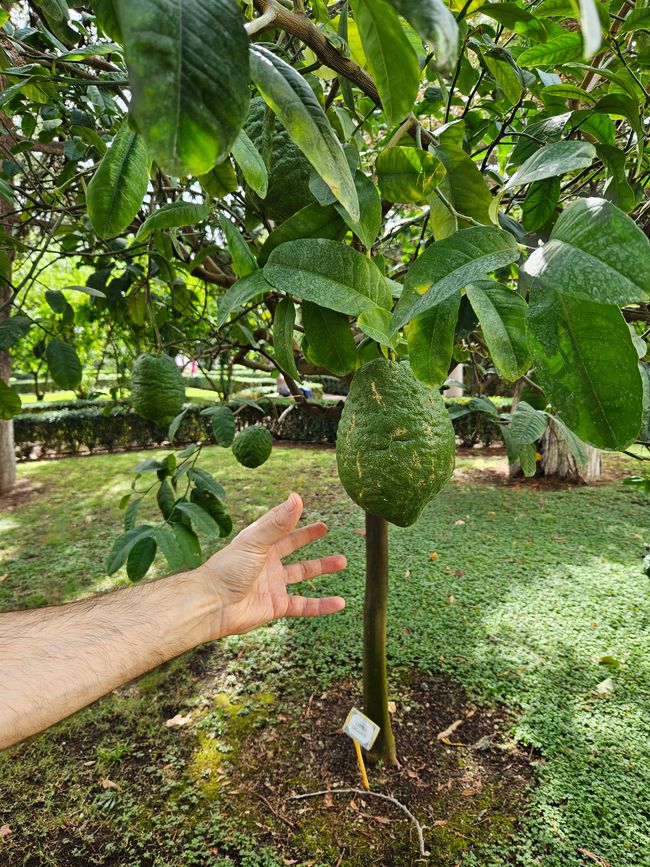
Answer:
[(103, 425)]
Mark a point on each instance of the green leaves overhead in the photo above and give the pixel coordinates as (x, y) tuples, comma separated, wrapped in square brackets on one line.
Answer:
[(10, 402), (435, 23), (329, 274), (391, 59), (501, 313), (595, 252), (64, 364), (553, 159), (283, 322), (587, 365), (174, 215), (330, 338), (464, 184), (312, 221), (556, 51), (241, 293), (290, 97), (449, 265), (430, 337), (117, 188), (188, 73), (408, 174)]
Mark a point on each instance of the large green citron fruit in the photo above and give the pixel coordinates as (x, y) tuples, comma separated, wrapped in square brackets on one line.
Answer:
[(252, 446), (395, 443), (157, 388)]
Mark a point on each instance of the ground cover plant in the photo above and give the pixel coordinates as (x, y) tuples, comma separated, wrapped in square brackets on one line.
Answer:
[(547, 634)]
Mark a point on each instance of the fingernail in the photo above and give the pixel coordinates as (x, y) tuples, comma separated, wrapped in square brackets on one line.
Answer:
[(290, 503)]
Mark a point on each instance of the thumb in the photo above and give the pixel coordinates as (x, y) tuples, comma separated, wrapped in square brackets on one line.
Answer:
[(273, 526)]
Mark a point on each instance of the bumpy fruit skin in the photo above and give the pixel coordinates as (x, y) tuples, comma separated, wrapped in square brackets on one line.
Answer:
[(252, 446), (289, 170), (157, 388), (395, 443)]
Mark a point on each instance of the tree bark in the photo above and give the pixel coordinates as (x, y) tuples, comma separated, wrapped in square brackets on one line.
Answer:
[(559, 463), (375, 613), (7, 451)]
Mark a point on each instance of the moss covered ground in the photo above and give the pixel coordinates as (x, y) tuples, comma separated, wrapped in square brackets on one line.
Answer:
[(531, 600)]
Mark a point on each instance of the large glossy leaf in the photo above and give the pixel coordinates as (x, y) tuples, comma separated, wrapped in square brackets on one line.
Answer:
[(290, 97), (241, 293), (515, 18), (252, 165), (174, 215), (367, 227), (106, 15), (64, 364), (502, 312), (140, 558), (408, 174), (552, 160), (188, 74), (188, 545), (201, 520), (12, 329), (527, 424), (464, 185), (330, 338), (449, 265), (540, 203), (595, 252), (10, 402), (375, 322), (222, 420), (638, 19), (283, 322), (507, 76), (391, 59), (117, 188), (435, 23), (329, 274), (122, 547), (171, 549), (430, 337), (312, 221), (555, 52), (587, 365)]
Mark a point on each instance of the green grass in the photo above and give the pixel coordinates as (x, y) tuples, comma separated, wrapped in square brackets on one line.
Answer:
[(533, 600)]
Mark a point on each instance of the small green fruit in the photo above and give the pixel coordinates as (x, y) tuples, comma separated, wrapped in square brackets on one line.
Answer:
[(252, 446), (157, 388)]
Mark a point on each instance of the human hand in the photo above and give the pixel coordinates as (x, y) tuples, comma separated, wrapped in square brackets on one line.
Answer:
[(251, 581)]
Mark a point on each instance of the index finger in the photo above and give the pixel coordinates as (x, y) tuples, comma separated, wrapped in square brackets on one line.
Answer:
[(301, 537)]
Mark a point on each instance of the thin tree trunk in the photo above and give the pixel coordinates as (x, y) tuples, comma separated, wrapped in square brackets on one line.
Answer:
[(559, 463), (375, 678), (7, 451)]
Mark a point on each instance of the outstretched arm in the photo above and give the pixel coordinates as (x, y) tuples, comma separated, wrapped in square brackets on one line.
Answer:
[(54, 661)]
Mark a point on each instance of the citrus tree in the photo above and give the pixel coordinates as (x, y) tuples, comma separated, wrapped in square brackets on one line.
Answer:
[(376, 189)]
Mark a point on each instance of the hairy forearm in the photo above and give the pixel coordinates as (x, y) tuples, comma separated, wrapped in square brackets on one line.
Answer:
[(54, 661)]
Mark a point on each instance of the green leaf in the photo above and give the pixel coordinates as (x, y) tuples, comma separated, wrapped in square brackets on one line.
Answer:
[(515, 18), (312, 221), (375, 322), (56, 301), (502, 314), (206, 483), (64, 364), (367, 227), (552, 160), (539, 133), (506, 76), (591, 28), (555, 52), (540, 203), (391, 59), (290, 97), (595, 252), (435, 23), (587, 365), (283, 322), (175, 424), (464, 184), (638, 19), (131, 513), (188, 545), (251, 164), (106, 16), (449, 265), (243, 261), (527, 424), (618, 189), (575, 444), (117, 188), (329, 274), (528, 459), (430, 337), (140, 558), (408, 174), (168, 544), (188, 74), (330, 338), (12, 330), (200, 519), (56, 10), (122, 547), (171, 216), (223, 425), (10, 402), (241, 293), (220, 180)]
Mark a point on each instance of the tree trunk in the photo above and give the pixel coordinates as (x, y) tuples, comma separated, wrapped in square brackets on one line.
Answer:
[(559, 463), (375, 679), (7, 452)]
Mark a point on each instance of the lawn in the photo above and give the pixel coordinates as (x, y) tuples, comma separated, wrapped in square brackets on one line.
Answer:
[(518, 609)]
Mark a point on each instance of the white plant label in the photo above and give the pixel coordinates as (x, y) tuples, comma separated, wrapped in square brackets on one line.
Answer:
[(361, 728)]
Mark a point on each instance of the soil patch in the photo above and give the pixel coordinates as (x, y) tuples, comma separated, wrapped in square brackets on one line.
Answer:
[(22, 493), (468, 790)]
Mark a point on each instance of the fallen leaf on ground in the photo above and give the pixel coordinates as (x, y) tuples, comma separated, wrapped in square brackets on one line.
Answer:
[(328, 800), (108, 784), (178, 720), (593, 857), (449, 730), (5, 830), (459, 523), (392, 707), (605, 688)]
